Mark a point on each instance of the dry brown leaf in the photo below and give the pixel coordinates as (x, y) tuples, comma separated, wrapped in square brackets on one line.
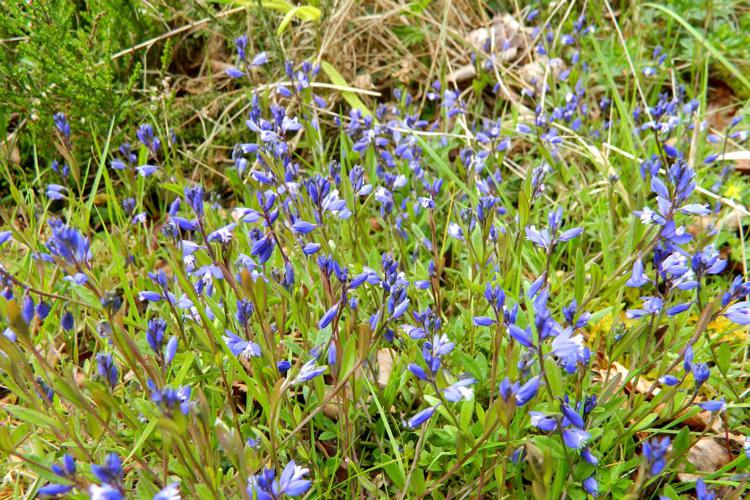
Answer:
[(386, 357), (642, 385), (707, 455)]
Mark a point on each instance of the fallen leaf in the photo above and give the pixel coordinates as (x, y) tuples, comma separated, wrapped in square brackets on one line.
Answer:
[(707, 455), (386, 357)]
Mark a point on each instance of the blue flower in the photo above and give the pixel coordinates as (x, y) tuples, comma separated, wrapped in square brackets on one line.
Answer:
[(522, 336), (309, 371), (145, 134), (146, 170), (56, 192), (591, 486), (110, 472), (169, 399), (714, 405), (522, 394), (328, 316), (637, 277), (240, 44), (222, 235), (568, 348), (291, 482), (542, 421), (245, 310), (260, 59), (234, 73), (240, 347), (702, 492), (105, 492), (651, 305), (194, 196), (61, 124), (483, 321), (155, 331), (68, 244), (107, 369), (170, 350), (669, 380), (460, 390), (169, 492), (575, 438), (701, 372), (422, 417), (67, 470), (53, 489), (418, 371), (655, 452), (303, 227), (739, 313)]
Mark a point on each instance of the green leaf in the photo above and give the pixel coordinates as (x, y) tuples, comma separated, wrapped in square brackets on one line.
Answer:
[(350, 97), (33, 417), (696, 34)]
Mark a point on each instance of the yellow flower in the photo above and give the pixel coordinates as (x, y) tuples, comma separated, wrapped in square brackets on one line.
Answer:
[(723, 330), (732, 191)]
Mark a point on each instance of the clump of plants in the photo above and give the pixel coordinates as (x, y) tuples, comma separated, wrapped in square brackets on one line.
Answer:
[(433, 297)]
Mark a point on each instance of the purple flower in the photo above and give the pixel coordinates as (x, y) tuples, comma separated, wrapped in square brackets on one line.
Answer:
[(483, 321), (591, 486), (739, 313), (418, 371), (695, 209), (105, 492), (655, 451), (521, 336), (169, 399), (234, 73), (67, 322), (701, 372), (169, 492), (328, 316), (568, 348), (637, 277), (170, 350), (527, 391), (240, 347), (669, 380), (107, 369), (575, 438), (260, 59), (110, 472), (589, 457), (52, 489), (460, 390), (222, 235), (714, 405), (291, 482), (539, 237), (702, 492), (651, 305), (146, 170), (542, 421), (61, 124), (309, 371), (422, 417), (56, 192), (303, 227)]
